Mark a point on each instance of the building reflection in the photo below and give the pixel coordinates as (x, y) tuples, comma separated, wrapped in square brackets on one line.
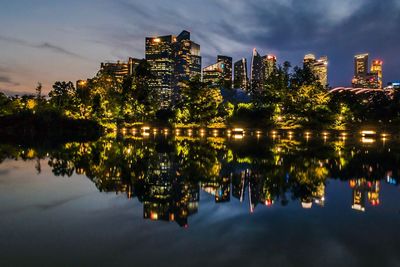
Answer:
[(167, 174), (364, 190)]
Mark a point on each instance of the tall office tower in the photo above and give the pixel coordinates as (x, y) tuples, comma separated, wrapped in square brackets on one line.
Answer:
[(187, 60), (364, 79), (309, 61), (161, 58), (172, 60), (360, 79), (213, 75), (256, 72), (319, 67), (269, 65), (227, 68), (361, 65), (376, 68), (240, 78)]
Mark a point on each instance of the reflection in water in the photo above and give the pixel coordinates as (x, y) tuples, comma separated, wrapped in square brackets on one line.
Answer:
[(167, 172)]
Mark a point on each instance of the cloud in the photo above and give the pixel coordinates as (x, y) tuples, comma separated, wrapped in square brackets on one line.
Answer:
[(7, 79), (45, 46), (57, 49)]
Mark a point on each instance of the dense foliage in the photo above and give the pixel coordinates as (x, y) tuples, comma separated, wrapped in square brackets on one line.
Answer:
[(291, 98)]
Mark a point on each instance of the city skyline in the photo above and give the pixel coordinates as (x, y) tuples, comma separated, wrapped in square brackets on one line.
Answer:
[(63, 42)]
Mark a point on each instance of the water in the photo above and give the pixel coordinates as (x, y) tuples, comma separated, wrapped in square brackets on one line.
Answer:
[(278, 200)]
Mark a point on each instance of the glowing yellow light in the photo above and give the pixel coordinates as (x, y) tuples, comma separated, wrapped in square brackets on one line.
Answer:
[(153, 216), (367, 132), (238, 130), (367, 140), (156, 40), (238, 136)]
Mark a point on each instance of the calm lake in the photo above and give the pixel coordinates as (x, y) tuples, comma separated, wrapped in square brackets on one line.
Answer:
[(203, 199)]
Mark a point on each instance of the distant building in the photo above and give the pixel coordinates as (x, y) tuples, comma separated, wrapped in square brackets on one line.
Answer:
[(172, 59), (187, 60), (240, 78), (361, 65), (227, 70), (117, 69), (132, 64), (319, 67), (213, 75), (393, 85), (376, 68), (269, 65), (364, 79), (256, 72)]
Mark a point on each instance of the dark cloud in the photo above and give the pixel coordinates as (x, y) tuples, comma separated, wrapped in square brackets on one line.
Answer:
[(7, 79), (45, 45), (57, 49)]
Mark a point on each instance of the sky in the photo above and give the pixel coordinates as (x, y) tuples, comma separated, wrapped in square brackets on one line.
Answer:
[(51, 40)]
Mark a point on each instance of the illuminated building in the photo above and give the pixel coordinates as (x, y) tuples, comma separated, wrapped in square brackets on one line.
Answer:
[(373, 193), (172, 60), (376, 68), (364, 79), (240, 78), (166, 196), (269, 62), (223, 192), (187, 60), (213, 75), (359, 194), (256, 72), (160, 56), (319, 67), (117, 69), (227, 70), (361, 65)]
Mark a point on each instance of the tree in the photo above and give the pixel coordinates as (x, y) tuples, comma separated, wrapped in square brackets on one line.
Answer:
[(63, 97)]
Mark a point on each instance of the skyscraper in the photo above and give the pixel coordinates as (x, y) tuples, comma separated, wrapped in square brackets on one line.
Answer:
[(364, 79), (227, 70), (240, 78), (213, 75), (376, 68), (361, 65), (256, 72), (172, 60), (319, 67), (187, 59), (161, 57), (269, 65)]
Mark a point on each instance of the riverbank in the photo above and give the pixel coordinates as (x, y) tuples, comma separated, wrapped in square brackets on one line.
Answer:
[(47, 127)]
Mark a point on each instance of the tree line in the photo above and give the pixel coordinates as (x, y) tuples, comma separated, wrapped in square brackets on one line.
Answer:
[(291, 98)]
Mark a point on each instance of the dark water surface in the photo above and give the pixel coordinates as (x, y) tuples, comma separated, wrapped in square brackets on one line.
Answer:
[(278, 200)]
